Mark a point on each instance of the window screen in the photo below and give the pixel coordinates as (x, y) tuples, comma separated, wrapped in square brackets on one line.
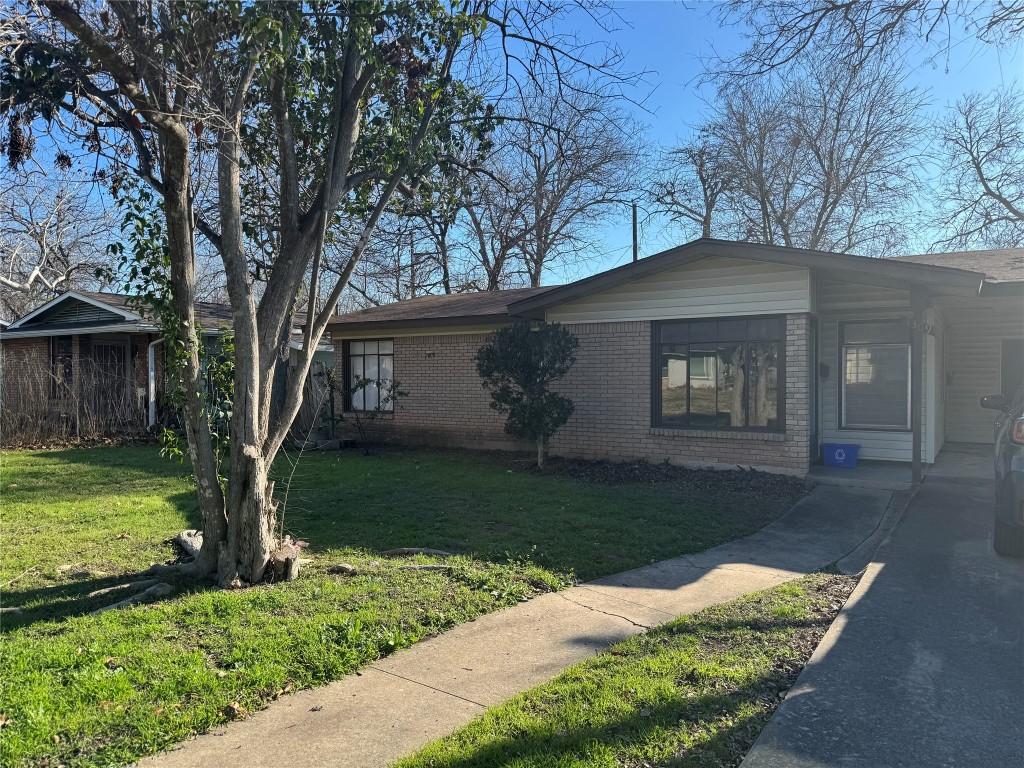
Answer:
[(370, 373), (875, 359)]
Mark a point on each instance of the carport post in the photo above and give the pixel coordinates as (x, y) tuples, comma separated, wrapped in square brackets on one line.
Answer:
[(918, 305)]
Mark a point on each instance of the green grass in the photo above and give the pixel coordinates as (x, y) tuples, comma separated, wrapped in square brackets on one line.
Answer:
[(89, 690), (693, 692)]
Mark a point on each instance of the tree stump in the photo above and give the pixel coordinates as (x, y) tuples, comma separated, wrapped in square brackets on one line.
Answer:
[(285, 560)]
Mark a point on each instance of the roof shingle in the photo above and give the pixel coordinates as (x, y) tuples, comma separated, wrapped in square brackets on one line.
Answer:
[(1000, 265), (445, 307)]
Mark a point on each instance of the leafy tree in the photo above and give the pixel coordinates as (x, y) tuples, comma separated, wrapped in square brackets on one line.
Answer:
[(518, 365), (264, 130)]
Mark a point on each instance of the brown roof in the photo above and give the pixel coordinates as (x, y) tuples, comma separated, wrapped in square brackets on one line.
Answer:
[(997, 264), (468, 307), (210, 314)]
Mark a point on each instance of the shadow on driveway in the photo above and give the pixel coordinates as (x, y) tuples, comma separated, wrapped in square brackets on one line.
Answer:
[(925, 666)]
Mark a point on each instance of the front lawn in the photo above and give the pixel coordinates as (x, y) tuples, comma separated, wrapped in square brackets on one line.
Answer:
[(693, 693), (80, 689)]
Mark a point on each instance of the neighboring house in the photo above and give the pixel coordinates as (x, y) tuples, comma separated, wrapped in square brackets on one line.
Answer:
[(720, 353), (87, 364)]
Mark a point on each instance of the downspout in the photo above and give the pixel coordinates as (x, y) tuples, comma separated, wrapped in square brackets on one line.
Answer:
[(151, 380)]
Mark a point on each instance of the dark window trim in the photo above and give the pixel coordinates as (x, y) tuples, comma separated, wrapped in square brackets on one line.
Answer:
[(60, 390), (655, 375), (841, 378), (346, 374)]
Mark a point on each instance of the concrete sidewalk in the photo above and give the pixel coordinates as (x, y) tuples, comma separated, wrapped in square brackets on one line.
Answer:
[(924, 667), (400, 703)]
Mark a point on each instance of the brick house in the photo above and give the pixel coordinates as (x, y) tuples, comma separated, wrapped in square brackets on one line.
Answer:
[(87, 364), (719, 353)]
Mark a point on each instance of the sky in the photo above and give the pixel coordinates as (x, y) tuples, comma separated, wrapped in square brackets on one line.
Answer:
[(670, 41)]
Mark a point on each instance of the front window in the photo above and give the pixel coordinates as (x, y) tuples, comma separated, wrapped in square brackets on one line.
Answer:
[(370, 373), (875, 359), (720, 374), (61, 367)]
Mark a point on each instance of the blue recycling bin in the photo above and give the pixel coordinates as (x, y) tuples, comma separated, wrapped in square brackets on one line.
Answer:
[(840, 454)]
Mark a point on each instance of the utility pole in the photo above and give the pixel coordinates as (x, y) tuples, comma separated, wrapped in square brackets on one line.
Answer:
[(636, 245)]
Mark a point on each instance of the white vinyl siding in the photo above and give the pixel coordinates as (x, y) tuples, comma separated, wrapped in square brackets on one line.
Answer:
[(845, 302), (710, 287), (975, 331)]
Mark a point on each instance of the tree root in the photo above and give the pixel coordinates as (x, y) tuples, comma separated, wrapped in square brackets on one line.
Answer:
[(190, 541), (436, 567), (157, 590), (141, 584), (190, 569), (403, 551)]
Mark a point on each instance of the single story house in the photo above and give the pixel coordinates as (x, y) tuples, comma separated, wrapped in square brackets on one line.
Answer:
[(87, 363), (719, 353)]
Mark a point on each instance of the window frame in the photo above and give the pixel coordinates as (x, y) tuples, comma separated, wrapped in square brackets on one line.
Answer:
[(63, 388), (842, 345), (657, 422), (347, 382)]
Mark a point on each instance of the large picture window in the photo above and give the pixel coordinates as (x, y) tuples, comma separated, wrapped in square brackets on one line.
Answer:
[(720, 374), (875, 360), (370, 371)]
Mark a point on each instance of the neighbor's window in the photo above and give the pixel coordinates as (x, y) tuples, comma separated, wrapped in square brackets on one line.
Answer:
[(371, 362), (720, 374), (875, 358), (61, 368)]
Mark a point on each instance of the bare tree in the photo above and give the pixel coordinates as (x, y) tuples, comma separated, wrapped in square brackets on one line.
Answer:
[(497, 225), (851, 31), (695, 178), (51, 239), (814, 157), (983, 171), (576, 157), (279, 119)]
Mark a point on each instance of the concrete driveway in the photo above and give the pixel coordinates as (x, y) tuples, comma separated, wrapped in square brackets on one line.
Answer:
[(925, 665)]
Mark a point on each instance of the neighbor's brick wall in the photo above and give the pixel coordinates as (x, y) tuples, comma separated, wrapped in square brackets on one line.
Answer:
[(610, 385), (22, 361)]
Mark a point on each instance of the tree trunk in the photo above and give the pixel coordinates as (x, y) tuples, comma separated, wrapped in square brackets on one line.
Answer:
[(181, 244), (540, 453), (251, 511)]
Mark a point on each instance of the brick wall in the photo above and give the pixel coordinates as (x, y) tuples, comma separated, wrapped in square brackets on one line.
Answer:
[(610, 386), (97, 403), (24, 362), (444, 402)]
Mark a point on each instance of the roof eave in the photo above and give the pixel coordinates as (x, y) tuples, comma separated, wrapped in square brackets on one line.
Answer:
[(341, 326), (1003, 288), (887, 272)]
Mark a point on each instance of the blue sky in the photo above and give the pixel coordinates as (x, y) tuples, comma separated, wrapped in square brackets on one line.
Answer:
[(670, 40)]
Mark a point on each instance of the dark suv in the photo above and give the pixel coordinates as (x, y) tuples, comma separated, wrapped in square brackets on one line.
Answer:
[(1009, 464)]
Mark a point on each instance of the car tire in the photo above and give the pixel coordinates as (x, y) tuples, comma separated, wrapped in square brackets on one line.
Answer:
[(1008, 539)]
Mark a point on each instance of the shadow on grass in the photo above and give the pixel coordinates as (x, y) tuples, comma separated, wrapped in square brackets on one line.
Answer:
[(551, 746), (65, 599)]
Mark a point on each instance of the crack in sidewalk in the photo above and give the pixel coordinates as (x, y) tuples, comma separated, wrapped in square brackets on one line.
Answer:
[(606, 613), (425, 685)]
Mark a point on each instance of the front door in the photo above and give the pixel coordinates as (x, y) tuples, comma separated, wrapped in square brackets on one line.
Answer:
[(1013, 366)]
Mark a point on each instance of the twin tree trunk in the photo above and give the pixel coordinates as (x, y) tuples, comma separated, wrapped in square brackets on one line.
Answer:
[(238, 526)]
